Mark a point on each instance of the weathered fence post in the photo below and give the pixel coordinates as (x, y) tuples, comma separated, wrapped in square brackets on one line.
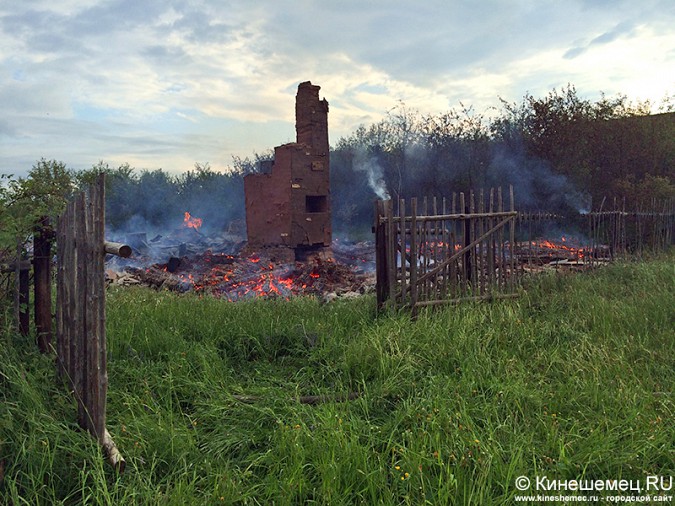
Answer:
[(42, 252), (21, 270)]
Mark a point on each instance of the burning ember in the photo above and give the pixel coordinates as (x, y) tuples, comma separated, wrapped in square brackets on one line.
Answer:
[(233, 278), (190, 222), (552, 249)]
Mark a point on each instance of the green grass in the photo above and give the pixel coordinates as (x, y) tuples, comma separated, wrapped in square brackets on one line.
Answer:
[(573, 380)]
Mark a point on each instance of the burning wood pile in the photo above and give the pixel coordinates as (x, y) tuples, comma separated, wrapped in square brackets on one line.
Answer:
[(216, 264), (563, 252)]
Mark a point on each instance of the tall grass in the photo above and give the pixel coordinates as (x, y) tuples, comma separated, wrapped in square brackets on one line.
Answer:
[(572, 380)]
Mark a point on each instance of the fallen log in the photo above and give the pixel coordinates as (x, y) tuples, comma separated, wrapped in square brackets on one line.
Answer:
[(116, 248)]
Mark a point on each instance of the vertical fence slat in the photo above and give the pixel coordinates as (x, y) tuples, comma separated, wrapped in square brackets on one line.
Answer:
[(491, 243), (391, 240), (436, 246), (381, 288), (512, 241), (443, 251), (61, 301), (454, 266), (403, 253), (482, 246), (413, 253), (464, 241), (78, 349), (98, 302), (502, 252)]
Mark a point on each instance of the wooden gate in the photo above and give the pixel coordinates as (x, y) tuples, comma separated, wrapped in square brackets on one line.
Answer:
[(458, 249)]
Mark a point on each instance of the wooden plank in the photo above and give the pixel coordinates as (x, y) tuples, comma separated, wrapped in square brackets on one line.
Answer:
[(72, 312), (98, 281), (452, 241), (502, 252), (78, 350), (445, 239), (463, 239), (437, 246), (472, 225), (381, 288), (413, 253), (482, 246), (491, 245), (65, 252), (512, 243), (403, 253), (89, 387), (391, 239), (61, 302)]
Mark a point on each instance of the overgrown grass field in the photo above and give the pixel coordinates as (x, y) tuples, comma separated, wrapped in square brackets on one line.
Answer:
[(573, 380)]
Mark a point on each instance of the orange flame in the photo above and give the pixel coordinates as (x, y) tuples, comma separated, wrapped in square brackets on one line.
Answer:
[(191, 222)]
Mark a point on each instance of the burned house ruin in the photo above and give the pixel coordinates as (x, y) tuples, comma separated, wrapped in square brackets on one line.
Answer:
[(288, 201)]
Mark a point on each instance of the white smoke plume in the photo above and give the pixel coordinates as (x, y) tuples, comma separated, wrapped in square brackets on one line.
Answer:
[(365, 163)]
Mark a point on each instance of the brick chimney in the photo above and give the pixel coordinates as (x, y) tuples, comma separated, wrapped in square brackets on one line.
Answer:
[(288, 203)]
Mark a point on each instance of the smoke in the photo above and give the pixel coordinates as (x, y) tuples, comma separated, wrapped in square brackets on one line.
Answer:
[(535, 185), (374, 172)]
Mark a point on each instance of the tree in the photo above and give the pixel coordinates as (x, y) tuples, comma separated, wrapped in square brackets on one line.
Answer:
[(43, 193)]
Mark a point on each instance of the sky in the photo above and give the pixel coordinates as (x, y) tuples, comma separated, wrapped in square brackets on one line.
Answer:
[(170, 83)]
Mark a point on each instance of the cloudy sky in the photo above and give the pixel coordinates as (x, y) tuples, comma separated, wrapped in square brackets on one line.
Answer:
[(167, 83)]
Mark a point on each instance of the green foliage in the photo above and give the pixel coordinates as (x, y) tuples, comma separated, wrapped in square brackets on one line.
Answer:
[(24, 201), (650, 187), (556, 151), (248, 165), (571, 381)]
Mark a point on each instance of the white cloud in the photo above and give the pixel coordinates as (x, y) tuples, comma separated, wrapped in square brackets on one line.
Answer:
[(165, 84)]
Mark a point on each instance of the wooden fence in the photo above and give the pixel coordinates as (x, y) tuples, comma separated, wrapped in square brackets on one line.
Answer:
[(472, 248), (457, 249), (646, 227), (610, 231), (41, 274), (80, 315)]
